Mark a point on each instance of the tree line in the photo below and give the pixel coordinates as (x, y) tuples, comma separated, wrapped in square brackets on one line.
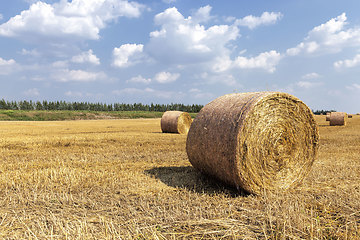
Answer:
[(87, 106), (322, 112)]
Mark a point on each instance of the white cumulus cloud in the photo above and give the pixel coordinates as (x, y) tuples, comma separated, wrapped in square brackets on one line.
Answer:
[(221, 64), (166, 77), (202, 14), (139, 79), (218, 78), (348, 63), (330, 37), (86, 57), (265, 60), (354, 86), (308, 84), (33, 52), (7, 66), (184, 41), (127, 55), (78, 19), (60, 64), (67, 75), (312, 75), (265, 19), (4, 62)]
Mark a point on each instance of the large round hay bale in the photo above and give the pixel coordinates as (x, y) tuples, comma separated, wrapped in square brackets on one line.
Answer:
[(338, 119), (254, 141), (327, 116), (176, 122)]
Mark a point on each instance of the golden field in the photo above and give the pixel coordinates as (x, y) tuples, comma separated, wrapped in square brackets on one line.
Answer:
[(124, 179)]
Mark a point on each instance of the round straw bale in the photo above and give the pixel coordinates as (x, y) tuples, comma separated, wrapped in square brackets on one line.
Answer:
[(350, 115), (338, 119), (176, 122), (328, 116), (254, 141)]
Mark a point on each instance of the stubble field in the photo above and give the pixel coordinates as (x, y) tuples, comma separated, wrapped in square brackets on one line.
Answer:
[(124, 179)]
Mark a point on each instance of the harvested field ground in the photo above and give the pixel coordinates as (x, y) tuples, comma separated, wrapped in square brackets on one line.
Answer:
[(124, 179), (40, 115)]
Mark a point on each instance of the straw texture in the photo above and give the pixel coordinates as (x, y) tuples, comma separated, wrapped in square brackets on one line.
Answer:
[(176, 122), (328, 116), (338, 119), (254, 141)]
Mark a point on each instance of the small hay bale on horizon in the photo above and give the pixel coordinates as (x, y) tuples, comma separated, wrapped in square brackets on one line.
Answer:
[(175, 122), (254, 141), (338, 119), (328, 116), (350, 115)]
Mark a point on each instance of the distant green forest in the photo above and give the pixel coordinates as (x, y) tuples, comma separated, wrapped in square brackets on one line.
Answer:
[(86, 106), (103, 107), (322, 112)]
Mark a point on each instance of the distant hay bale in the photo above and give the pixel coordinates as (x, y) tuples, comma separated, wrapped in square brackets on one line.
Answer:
[(338, 119), (254, 141), (350, 115), (176, 122), (327, 116)]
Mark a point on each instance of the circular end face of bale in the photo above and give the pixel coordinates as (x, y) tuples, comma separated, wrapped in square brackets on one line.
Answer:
[(338, 119), (176, 122), (328, 117), (254, 141)]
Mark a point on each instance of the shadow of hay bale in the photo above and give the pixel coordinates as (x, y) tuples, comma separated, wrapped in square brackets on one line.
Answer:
[(191, 179)]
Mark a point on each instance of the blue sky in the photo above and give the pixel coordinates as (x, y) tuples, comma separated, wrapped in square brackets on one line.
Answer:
[(180, 51)]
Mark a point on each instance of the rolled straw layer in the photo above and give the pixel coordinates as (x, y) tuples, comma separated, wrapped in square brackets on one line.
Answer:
[(328, 116), (254, 141), (176, 122), (338, 119)]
